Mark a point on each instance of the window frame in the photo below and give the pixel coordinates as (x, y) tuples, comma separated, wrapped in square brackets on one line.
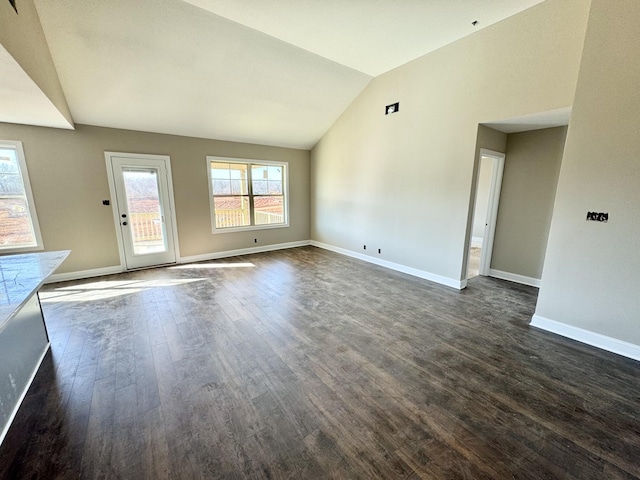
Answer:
[(26, 182), (249, 162)]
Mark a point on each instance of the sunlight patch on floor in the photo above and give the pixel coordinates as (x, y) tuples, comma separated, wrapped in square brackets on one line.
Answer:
[(474, 262), (108, 289), (212, 265)]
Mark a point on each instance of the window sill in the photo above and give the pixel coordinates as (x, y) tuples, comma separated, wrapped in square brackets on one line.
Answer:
[(251, 228), (7, 250)]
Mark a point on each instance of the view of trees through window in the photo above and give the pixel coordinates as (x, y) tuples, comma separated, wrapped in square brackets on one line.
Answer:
[(246, 194), (16, 226)]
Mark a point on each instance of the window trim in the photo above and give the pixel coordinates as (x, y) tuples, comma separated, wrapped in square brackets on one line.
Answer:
[(249, 162), (24, 174)]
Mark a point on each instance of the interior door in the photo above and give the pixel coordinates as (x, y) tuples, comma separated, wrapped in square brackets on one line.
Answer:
[(144, 209), (492, 208)]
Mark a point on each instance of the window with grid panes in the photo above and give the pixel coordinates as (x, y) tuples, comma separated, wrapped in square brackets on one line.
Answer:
[(247, 194), (19, 229)]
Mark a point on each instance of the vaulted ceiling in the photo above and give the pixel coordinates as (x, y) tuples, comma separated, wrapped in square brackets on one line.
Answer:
[(273, 72)]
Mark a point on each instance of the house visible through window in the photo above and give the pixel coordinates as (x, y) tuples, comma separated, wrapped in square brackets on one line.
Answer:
[(18, 222), (247, 194)]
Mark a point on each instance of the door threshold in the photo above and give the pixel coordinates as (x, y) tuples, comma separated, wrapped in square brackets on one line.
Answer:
[(149, 267)]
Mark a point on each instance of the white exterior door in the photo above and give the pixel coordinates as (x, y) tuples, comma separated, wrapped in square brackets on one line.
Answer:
[(143, 208)]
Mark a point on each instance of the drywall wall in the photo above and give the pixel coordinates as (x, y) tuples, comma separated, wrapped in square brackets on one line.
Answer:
[(403, 182), (482, 198), (592, 270), (22, 36), (531, 171), (69, 181)]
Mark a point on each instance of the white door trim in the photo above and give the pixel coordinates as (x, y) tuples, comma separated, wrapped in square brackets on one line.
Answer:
[(114, 206), (492, 210)]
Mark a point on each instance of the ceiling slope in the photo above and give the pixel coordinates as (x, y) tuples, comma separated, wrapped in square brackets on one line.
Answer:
[(272, 72), (166, 66), (372, 36), (22, 101)]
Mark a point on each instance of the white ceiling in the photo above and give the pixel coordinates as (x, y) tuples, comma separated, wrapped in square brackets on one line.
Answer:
[(371, 36), (21, 100), (273, 72), (535, 121)]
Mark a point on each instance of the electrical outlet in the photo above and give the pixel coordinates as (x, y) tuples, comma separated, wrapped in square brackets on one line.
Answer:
[(364, 248), (597, 217), (379, 250), (255, 240)]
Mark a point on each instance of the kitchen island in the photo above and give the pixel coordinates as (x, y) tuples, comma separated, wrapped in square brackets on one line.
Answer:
[(23, 334)]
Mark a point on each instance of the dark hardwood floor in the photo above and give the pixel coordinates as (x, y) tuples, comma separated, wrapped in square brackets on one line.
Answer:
[(305, 364)]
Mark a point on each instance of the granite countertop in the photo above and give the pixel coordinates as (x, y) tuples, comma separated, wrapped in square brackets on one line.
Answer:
[(21, 276)]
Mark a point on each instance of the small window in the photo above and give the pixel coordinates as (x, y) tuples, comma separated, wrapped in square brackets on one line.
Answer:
[(19, 229), (247, 194)]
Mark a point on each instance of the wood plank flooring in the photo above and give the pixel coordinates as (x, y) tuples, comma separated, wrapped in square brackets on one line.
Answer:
[(305, 364)]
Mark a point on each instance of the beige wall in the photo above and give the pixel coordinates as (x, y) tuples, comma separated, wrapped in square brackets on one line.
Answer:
[(403, 182), (592, 270), (528, 191), (69, 181), (22, 36)]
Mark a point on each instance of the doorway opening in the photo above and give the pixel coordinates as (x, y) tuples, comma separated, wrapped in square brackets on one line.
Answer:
[(485, 212), (143, 209)]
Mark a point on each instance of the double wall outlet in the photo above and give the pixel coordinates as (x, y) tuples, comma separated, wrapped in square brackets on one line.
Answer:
[(364, 247)]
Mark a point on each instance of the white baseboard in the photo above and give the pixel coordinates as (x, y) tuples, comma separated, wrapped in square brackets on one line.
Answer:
[(99, 272), (5, 430), (514, 277), (449, 282), (79, 275), (242, 251), (597, 340)]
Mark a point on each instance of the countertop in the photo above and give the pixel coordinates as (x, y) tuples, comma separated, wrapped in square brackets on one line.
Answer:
[(21, 276)]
